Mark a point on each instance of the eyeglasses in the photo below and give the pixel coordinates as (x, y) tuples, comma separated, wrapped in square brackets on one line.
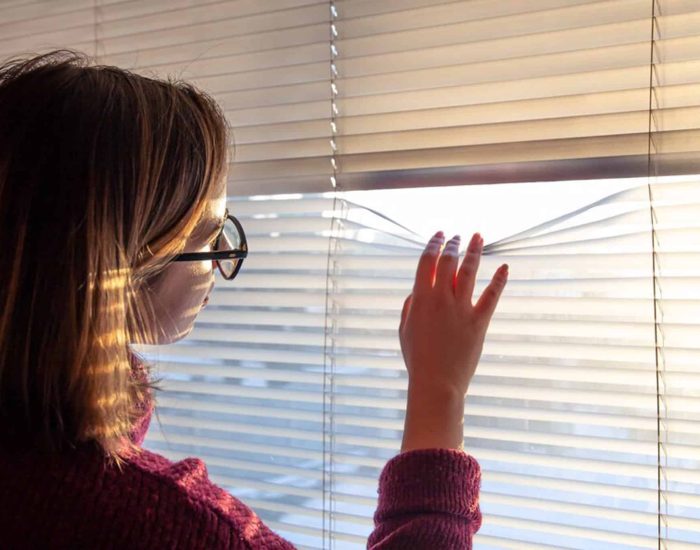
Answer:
[(229, 250)]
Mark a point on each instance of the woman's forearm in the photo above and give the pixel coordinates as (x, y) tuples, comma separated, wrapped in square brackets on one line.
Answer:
[(434, 418)]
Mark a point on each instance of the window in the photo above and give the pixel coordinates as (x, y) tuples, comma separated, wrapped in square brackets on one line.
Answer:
[(585, 411)]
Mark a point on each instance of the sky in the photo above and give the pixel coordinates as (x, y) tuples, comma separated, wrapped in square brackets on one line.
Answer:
[(496, 211)]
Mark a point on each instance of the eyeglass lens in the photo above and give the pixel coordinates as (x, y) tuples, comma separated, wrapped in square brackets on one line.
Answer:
[(230, 239)]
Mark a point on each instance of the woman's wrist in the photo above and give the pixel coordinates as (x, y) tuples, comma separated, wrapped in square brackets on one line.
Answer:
[(434, 418)]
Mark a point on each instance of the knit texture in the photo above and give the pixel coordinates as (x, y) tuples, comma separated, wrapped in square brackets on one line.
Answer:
[(427, 499)]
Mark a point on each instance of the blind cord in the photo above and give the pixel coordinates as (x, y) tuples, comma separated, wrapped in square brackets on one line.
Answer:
[(660, 381), (331, 305)]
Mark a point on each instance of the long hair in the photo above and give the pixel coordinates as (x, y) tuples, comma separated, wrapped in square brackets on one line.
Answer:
[(103, 175)]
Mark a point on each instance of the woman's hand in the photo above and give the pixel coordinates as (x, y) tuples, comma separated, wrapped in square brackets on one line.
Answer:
[(442, 335)]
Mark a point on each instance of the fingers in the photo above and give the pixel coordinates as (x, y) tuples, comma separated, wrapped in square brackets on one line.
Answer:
[(425, 274), (447, 265), (466, 276), (488, 300)]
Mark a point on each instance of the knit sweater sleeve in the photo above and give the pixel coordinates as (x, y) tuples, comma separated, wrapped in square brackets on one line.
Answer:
[(428, 498)]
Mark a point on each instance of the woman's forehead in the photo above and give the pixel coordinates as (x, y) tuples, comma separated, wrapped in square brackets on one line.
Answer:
[(212, 217), (214, 213), (216, 209)]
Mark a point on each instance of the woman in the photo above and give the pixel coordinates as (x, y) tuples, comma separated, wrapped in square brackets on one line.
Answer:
[(105, 178)]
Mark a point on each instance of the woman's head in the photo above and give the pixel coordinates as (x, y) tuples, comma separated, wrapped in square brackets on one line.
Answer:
[(104, 176)]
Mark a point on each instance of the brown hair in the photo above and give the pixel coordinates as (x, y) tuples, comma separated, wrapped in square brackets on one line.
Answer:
[(103, 176)]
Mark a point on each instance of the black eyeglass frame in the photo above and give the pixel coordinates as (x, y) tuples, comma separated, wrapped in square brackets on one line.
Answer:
[(237, 253)]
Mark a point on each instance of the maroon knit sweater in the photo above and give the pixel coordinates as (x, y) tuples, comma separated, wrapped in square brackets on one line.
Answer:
[(428, 498)]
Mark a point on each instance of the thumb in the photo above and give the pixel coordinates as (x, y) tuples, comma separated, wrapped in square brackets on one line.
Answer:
[(486, 306), (404, 311)]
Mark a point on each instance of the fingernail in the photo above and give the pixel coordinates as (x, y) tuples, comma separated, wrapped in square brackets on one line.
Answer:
[(439, 235), (456, 238)]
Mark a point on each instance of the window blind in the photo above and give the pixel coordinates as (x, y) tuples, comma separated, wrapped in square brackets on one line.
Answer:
[(459, 91), (673, 133), (265, 61), (476, 90), (291, 385), (563, 411)]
